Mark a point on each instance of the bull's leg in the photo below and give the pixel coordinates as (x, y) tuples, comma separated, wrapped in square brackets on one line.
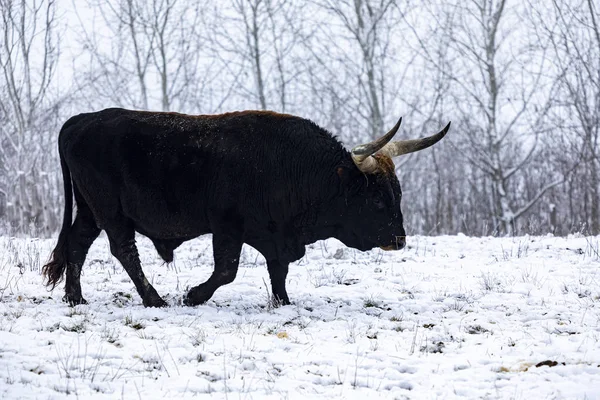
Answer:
[(227, 247), (83, 233), (122, 246), (278, 273)]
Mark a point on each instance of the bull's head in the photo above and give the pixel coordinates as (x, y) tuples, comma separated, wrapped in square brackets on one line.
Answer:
[(373, 217)]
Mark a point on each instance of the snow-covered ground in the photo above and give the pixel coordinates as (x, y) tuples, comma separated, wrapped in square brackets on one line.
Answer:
[(448, 317)]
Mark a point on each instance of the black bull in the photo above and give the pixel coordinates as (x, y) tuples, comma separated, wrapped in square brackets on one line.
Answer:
[(276, 182)]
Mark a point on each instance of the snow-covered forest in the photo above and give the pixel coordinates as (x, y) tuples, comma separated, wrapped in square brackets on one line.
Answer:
[(520, 81)]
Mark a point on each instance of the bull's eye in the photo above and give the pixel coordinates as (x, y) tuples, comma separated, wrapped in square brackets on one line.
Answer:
[(378, 202)]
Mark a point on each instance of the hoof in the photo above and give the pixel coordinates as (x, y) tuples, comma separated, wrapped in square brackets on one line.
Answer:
[(195, 297), (188, 302), (279, 301), (155, 302), (74, 300)]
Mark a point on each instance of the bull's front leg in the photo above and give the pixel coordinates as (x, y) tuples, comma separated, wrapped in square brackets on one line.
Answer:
[(124, 249), (279, 253), (278, 271), (227, 247)]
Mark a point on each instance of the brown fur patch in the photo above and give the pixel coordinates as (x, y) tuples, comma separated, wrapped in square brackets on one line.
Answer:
[(386, 164), (258, 112), (224, 115)]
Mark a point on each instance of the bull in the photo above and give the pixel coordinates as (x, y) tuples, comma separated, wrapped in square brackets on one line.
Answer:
[(274, 181)]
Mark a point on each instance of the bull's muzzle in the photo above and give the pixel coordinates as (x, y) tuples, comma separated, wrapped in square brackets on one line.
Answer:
[(399, 244)]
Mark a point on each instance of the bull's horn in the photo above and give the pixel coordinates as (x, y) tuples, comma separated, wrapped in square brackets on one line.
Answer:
[(361, 154), (398, 148)]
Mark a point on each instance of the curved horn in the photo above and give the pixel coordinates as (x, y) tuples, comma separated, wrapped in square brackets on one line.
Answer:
[(398, 148), (361, 154)]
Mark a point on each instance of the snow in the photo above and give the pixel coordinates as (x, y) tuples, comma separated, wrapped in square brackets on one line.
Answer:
[(448, 317)]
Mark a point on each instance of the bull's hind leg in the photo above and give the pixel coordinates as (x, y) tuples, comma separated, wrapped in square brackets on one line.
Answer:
[(83, 233), (227, 247), (122, 246)]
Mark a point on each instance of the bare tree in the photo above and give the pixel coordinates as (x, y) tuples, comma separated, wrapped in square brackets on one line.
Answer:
[(28, 58), (259, 38), (360, 56), (573, 28), (498, 91), (254, 20), (151, 56)]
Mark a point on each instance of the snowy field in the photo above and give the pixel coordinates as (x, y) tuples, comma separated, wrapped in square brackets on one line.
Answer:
[(448, 317)]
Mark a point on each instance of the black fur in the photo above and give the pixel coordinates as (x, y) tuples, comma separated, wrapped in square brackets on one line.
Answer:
[(276, 182)]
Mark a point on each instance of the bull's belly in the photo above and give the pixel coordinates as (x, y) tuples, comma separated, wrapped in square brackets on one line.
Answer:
[(171, 230), (162, 222)]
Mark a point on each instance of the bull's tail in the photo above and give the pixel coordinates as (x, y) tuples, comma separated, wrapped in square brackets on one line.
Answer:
[(54, 270)]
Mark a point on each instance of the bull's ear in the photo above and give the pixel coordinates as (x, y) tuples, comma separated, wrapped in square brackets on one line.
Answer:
[(345, 174), (351, 180)]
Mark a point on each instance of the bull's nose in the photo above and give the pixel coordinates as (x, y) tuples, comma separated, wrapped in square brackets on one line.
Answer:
[(400, 242)]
